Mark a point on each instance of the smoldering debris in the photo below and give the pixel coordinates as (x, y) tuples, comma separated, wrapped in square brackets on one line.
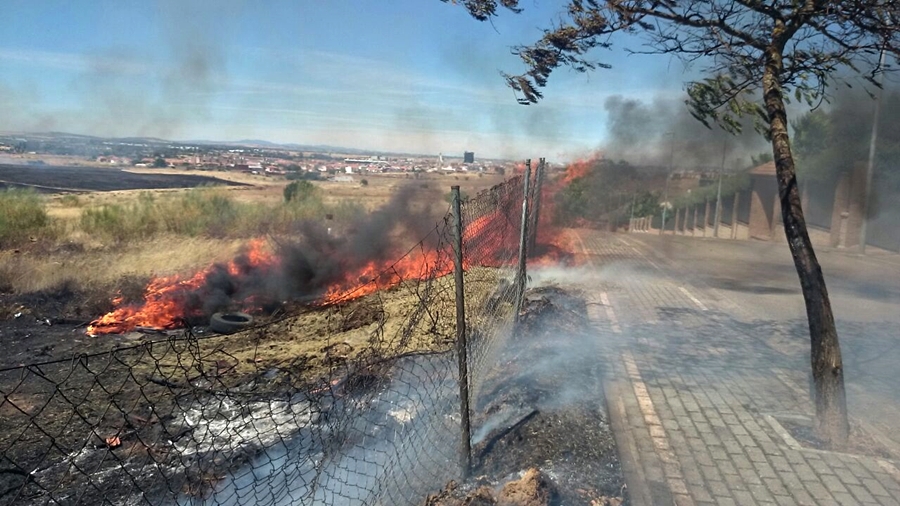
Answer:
[(532, 488), (542, 406), (349, 444)]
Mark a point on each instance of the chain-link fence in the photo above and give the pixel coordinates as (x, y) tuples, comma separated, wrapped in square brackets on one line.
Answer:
[(354, 402)]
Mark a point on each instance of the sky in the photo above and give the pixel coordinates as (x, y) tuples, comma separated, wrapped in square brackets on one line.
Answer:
[(417, 76)]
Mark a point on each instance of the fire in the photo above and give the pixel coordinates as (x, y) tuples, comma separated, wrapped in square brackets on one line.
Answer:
[(580, 168), (418, 264), (169, 300)]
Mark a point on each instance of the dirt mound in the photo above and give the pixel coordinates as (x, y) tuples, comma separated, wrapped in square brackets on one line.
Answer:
[(532, 489)]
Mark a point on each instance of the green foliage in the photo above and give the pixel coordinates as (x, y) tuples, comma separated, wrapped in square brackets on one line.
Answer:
[(108, 222), (207, 212), (22, 217), (731, 184), (827, 143), (723, 100), (364, 182), (121, 223), (160, 162), (761, 158), (751, 57), (202, 212), (646, 204), (299, 190)]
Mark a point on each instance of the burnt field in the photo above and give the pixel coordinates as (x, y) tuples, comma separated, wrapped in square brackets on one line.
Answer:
[(52, 179)]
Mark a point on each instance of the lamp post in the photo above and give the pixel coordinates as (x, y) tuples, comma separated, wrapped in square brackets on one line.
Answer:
[(631, 218), (719, 192), (870, 166), (662, 226)]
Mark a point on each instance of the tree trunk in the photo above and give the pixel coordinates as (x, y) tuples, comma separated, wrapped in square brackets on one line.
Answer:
[(825, 352)]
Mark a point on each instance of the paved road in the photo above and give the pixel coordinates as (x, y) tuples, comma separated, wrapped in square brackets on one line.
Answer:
[(707, 356)]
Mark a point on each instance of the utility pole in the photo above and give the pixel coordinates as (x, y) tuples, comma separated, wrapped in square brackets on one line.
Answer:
[(631, 219), (719, 191), (870, 166), (662, 226)]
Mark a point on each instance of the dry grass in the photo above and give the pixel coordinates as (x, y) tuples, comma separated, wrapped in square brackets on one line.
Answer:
[(85, 260), (166, 255), (317, 341)]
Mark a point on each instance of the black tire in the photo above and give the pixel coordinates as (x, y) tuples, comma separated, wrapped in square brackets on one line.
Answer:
[(229, 323)]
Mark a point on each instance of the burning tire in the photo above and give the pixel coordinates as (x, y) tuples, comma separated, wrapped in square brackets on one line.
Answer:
[(229, 323)]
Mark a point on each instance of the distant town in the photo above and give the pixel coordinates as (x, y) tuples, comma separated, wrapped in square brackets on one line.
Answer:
[(251, 157)]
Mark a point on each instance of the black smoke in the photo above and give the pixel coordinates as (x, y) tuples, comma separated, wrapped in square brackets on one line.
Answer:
[(663, 133), (321, 255)]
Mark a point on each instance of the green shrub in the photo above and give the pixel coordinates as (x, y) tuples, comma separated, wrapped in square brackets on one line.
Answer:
[(108, 222), (22, 217), (212, 213), (299, 190), (120, 223), (201, 211)]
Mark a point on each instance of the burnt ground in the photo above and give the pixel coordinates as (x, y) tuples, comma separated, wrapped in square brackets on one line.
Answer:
[(539, 406), (106, 418), (50, 178), (543, 407), (50, 324)]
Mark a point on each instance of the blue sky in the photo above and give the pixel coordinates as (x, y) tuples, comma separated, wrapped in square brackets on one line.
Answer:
[(408, 75)]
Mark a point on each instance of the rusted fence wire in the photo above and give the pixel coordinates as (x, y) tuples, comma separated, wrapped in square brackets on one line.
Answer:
[(355, 402)]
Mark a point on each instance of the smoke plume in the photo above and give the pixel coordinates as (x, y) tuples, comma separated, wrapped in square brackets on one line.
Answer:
[(321, 257), (663, 133)]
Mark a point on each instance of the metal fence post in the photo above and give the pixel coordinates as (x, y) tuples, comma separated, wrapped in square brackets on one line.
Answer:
[(536, 205), (465, 451), (523, 247)]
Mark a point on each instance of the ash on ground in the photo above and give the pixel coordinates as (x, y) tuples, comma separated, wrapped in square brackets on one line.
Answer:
[(542, 410)]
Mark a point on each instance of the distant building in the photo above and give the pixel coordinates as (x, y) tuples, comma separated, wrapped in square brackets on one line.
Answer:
[(469, 157)]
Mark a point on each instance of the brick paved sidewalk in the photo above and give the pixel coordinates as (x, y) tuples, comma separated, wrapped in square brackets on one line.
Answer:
[(696, 386)]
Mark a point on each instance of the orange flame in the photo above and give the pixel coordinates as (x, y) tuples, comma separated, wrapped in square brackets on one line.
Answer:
[(491, 240), (165, 303)]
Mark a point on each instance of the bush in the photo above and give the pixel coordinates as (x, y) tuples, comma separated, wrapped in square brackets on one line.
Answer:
[(202, 212), (299, 190), (364, 182), (211, 213), (22, 217), (108, 222)]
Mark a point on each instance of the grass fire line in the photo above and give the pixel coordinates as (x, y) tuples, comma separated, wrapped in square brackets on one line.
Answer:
[(245, 282)]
